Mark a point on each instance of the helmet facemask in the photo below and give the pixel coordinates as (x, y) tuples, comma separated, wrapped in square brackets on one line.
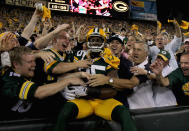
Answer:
[(95, 44), (96, 39)]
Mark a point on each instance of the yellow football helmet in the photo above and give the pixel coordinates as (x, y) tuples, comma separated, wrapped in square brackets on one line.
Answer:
[(96, 39)]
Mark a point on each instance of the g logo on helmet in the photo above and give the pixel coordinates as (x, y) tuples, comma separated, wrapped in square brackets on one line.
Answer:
[(120, 6)]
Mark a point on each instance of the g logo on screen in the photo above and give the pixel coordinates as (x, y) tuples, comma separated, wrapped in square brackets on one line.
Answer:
[(120, 6)]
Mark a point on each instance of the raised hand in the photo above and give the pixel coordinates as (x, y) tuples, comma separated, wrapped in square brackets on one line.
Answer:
[(156, 67), (8, 41), (61, 27)]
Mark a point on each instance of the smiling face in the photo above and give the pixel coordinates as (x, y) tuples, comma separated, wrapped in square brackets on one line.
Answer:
[(23, 61), (116, 47), (62, 41), (25, 66), (184, 64)]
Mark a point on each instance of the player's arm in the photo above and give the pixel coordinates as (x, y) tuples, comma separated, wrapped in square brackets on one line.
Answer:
[(107, 92)]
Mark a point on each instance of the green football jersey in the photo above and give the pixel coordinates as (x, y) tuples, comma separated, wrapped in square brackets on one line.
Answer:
[(44, 70), (180, 85), (17, 91), (99, 66), (58, 58)]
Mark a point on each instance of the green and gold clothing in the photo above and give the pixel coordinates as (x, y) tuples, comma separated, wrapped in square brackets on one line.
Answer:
[(44, 70), (17, 93), (108, 109), (99, 66), (102, 108), (180, 86)]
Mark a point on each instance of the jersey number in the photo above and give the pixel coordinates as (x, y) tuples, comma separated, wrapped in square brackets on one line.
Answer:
[(22, 106), (97, 67)]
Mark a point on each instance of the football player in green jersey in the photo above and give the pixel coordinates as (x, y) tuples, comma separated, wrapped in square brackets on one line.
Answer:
[(85, 101)]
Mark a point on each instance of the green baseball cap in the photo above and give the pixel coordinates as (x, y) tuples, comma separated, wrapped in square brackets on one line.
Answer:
[(165, 55)]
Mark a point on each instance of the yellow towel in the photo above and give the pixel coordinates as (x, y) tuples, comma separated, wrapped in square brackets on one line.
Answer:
[(185, 34), (184, 25), (46, 13), (159, 24), (110, 58), (1, 25), (134, 27)]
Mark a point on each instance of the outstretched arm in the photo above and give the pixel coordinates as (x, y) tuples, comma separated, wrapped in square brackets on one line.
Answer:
[(177, 29), (44, 40), (51, 89), (99, 79), (64, 67), (28, 30)]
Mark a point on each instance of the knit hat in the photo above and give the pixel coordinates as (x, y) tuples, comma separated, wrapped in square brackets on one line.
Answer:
[(165, 55), (116, 37)]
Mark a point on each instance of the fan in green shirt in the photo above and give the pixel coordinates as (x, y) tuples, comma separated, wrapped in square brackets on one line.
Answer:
[(178, 80)]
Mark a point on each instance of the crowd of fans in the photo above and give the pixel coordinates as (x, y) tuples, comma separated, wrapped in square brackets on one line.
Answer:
[(143, 65)]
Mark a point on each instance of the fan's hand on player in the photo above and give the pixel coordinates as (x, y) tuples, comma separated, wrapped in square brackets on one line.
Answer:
[(84, 63), (97, 80), (47, 56), (85, 75), (76, 81)]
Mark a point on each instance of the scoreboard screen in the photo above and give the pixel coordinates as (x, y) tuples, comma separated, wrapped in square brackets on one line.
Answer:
[(61, 5), (109, 8)]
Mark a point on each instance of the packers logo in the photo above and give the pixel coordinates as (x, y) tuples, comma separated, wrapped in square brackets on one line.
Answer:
[(185, 88), (120, 6), (164, 52)]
